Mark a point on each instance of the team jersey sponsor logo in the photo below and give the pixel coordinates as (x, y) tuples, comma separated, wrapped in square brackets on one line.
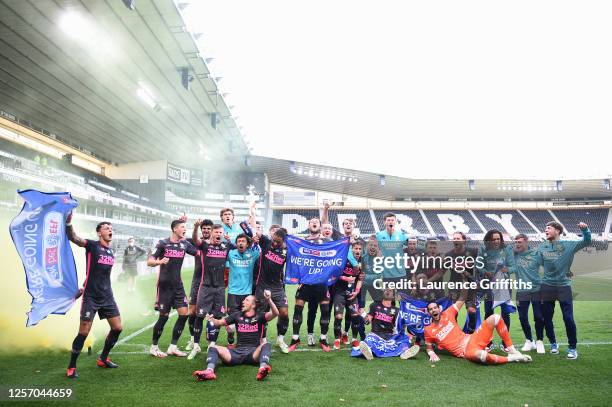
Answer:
[(241, 262), (275, 258), (442, 333), (107, 260), (248, 327), (174, 253), (383, 317), (216, 253)]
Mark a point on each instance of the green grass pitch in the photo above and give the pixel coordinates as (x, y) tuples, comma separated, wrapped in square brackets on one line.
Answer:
[(312, 378)]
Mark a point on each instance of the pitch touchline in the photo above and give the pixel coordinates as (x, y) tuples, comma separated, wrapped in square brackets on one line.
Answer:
[(145, 352)]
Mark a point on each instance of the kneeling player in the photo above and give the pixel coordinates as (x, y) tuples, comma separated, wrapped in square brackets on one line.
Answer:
[(445, 332), (383, 342), (97, 294), (251, 348)]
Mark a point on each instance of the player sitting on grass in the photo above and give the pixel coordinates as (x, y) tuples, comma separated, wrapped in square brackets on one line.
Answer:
[(383, 341), (445, 332), (251, 348)]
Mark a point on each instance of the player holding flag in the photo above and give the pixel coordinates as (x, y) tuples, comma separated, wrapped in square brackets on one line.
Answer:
[(97, 293)]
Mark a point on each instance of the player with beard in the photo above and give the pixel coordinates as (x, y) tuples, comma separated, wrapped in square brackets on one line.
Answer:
[(430, 270), (241, 261), (383, 315), (557, 257), (348, 229), (211, 291), (169, 255), (97, 293), (346, 291), (269, 276), (445, 332), (252, 348), (495, 266), (206, 228), (460, 251), (131, 255), (312, 293)]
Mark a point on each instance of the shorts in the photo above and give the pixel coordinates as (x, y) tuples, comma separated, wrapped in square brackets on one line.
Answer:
[(312, 293), (131, 271), (193, 293), (470, 301), (341, 302), (279, 298), (531, 296), (234, 302), (211, 300), (478, 342), (170, 296), (105, 309), (242, 356)]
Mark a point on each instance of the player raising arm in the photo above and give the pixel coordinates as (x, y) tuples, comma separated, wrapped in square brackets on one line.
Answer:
[(97, 293), (445, 332), (252, 348)]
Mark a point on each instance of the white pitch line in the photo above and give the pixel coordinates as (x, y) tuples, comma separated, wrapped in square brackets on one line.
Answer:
[(347, 349), (134, 334), (141, 330)]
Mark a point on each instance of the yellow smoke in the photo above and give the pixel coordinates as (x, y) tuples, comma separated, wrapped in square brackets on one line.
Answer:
[(55, 331)]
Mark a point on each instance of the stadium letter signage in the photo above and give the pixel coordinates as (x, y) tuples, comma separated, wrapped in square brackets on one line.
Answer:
[(40, 238), (309, 263)]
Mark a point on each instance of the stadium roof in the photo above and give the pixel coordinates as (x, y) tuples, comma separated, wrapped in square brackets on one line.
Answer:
[(107, 79), (367, 184)]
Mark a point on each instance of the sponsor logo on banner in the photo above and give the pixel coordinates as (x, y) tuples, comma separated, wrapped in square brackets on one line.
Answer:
[(317, 253), (52, 238)]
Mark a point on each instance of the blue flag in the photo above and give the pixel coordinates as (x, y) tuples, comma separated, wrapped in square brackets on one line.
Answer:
[(413, 314), (385, 348), (39, 235), (310, 263)]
